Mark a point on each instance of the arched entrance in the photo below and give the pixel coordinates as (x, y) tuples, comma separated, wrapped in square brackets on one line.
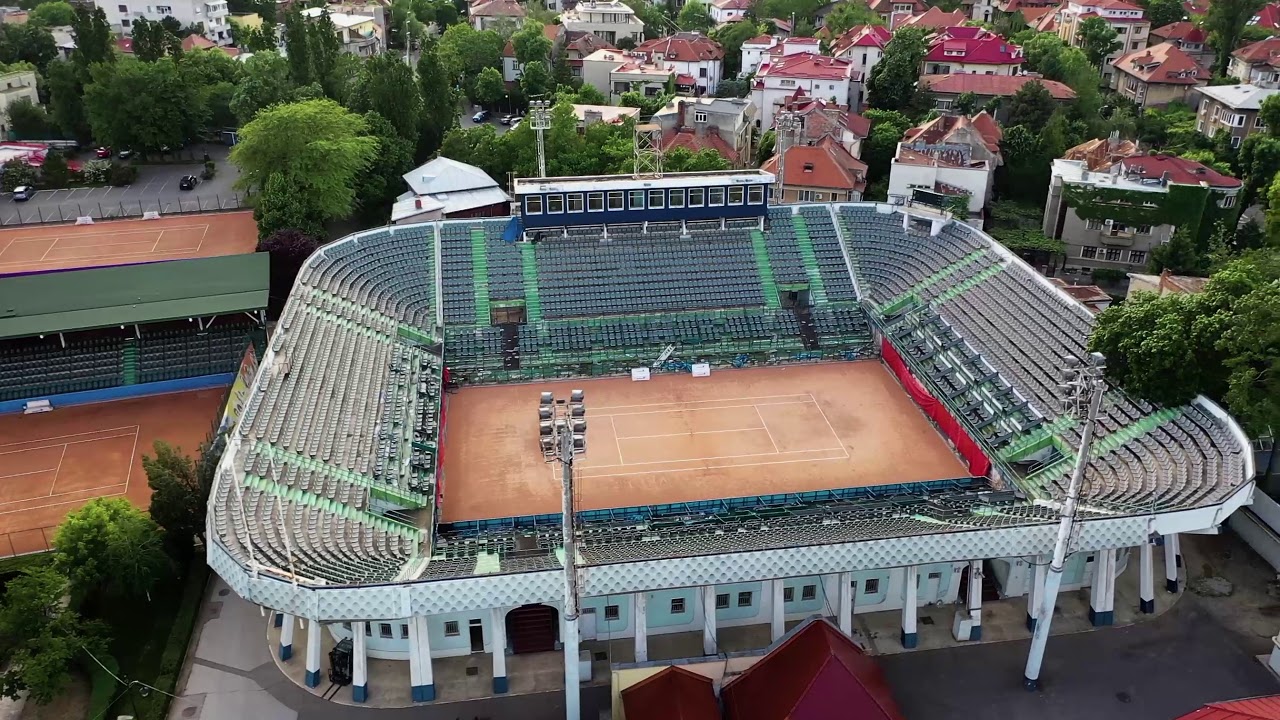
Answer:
[(533, 628)]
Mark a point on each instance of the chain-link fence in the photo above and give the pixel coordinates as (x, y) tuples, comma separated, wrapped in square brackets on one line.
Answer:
[(71, 210)]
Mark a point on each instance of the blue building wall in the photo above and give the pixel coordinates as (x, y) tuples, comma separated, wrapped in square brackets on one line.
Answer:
[(541, 212)]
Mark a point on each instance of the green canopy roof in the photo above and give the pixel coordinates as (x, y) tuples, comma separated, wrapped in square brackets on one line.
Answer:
[(132, 294)]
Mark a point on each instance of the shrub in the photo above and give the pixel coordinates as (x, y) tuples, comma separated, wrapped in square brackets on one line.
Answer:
[(210, 169), (123, 175), (16, 172), (96, 172)]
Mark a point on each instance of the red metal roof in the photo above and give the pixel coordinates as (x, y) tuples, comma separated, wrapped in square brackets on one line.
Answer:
[(876, 36), (815, 674), (673, 694), (1181, 170), (1259, 708), (1264, 51), (974, 45), (1184, 31), (1268, 17)]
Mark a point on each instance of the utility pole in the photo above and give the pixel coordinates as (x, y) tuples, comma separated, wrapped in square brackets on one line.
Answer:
[(785, 127), (1084, 385), (540, 121)]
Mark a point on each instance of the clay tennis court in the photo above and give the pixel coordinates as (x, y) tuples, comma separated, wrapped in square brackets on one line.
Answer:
[(52, 463), (677, 438), (36, 248)]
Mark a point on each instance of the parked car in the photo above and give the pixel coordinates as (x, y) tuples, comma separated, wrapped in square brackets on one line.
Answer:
[(188, 182), (516, 123), (125, 154), (506, 119), (23, 193), (103, 152), (480, 116)]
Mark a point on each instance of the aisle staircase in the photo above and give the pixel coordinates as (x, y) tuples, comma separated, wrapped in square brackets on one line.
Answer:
[(817, 292), (763, 267), (532, 301), (480, 271), (129, 362)]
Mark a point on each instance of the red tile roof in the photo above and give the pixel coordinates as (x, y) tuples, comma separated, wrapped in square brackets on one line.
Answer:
[(1259, 708), (1181, 171), (972, 45), (1165, 63), (875, 36), (1109, 4), (760, 40), (689, 139), (497, 8), (672, 694), (1268, 17), (196, 42), (807, 65), (1263, 52), (1187, 32), (934, 18), (1047, 22), (683, 47), (949, 128), (992, 85), (816, 673)]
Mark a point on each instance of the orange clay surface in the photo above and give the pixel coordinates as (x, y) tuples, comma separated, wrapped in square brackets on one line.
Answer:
[(52, 463), (35, 248), (677, 438)]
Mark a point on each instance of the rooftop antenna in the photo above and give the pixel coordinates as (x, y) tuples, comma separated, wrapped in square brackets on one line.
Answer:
[(786, 128), (540, 121), (648, 150), (1082, 379)]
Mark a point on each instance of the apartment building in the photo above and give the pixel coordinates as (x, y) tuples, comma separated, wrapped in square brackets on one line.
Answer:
[(863, 45), (971, 50), (1158, 75), (1257, 63), (610, 20), (1233, 108), (1131, 26), (789, 78), (697, 60), (213, 15)]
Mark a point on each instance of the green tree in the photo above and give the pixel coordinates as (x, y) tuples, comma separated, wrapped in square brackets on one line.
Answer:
[(561, 70), (530, 43), (1098, 40), (967, 103), (465, 52), (1225, 22), (1163, 12), (317, 145), (1259, 163), (151, 41), (66, 100), (16, 173), (695, 17), (387, 87), (1025, 172), (29, 121), (297, 48), (287, 203), (893, 80), (481, 146), (289, 249), (536, 80), (440, 103), (178, 497), (1179, 256), (380, 183), (850, 14), (54, 172), (489, 88), (657, 19), (254, 39), (1252, 345), (52, 14), (265, 82), (1269, 115), (683, 160), (324, 48), (1031, 106), (887, 128), (142, 105), (731, 36), (41, 636), (95, 43), (110, 548), (30, 43)]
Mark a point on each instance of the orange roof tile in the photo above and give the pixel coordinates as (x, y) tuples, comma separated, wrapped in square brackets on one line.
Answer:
[(1165, 63)]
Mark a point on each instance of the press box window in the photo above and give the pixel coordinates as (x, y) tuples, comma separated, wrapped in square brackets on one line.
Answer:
[(574, 201), (635, 199), (696, 197), (735, 196), (677, 606), (677, 198), (555, 204), (615, 200), (656, 199), (451, 628), (610, 612), (533, 205), (595, 202), (715, 196)]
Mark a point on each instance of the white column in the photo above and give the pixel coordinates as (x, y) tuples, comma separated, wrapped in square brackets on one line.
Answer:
[(1036, 573), (359, 664), (1146, 579), (709, 644), (975, 599), (640, 611), (777, 614), (845, 598), (1102, 589), (313, 653), (1171, 563), (909, 578), (420, 647), (286, 637), (498, 642)]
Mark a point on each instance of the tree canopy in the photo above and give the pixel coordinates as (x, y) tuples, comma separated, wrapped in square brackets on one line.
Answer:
[(893, 80), (695, 16), (1031, 106), (387, 86), (1225, 22), (52, 14), (1098, 40), (142, 105), (109, 547), (1163, 12), (29, 43), (41, 636), (846, 15)]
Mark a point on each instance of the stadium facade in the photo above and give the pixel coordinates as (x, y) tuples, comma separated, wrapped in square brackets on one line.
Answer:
[(334, 503)]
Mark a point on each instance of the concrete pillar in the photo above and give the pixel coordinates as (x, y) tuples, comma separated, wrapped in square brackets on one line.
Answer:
[(845, 600), (498, 642), (359, 664), (909, 579), (709, 644), (313, 653), (1036, 573), (640, 610), (975, 599), (777, 615), (1102, 590), (1171, 563), (1146, 579), (286, 636), (421, 681)]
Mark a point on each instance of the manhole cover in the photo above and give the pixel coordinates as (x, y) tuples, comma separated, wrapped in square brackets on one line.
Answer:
[(223, 592), (189, 711), (473, 671)]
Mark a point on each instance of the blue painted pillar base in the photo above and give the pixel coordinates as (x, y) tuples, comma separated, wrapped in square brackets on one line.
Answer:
[(500, 685), (975, 633), (909, 640), (279, 619), (286, 652), (424, 693), (1101, 619), (359, 693), (313, 678), (1032, 684), (1031, 623), (1147, 606), (1171, 586)]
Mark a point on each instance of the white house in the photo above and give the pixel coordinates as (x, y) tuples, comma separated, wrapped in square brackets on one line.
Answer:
[(971, 50), (728, 11), (614, 72), (786, 78), (695, 58), (494, 14), (951, 155), (863, 45), (214, 14), (1132, 28), (609, 20)]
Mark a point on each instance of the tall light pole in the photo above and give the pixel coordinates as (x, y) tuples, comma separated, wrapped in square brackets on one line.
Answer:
[(562, 431), (540, 121), (785, 129), (1084, 385)]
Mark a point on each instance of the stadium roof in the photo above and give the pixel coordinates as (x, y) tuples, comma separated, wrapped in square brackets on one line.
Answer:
[(131, 294)]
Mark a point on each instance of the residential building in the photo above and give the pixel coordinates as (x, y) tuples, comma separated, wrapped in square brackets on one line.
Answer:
[(754, 52), (1127, 20), (818, 173), (511, 67), (935, 18), (1158, 75), (1093, 298), (15, 86), (212, 14), (1233, 108), (726, 125), (946, 89), (361, 35), (787, 78), (950, 155), (1268, 17), (886, 9), (496, 14), (579, 44), (696, 59), (863, 45), (609, 20), (971, 50), (612, 114), (979, 10), (1166, 283), (1187, 37), (728, 11), (446, 188), (820, 119), (12, 15), (1257, 63), (1195, 8), (1112, 211), (614, 72)]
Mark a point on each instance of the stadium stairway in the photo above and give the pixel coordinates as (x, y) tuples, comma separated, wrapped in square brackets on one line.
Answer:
[(129, 362), (895, 304), (765, 269), (532, 301), (480, 269), (959, 288), (816, 290)]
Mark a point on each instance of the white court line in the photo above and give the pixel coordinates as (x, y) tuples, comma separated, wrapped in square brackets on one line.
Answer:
[(129, 475), (134, 428), (689, 434), (8, 245), (134, 435), (725, 407), (765, 425), (617, 441), (64, 502), (588, 475), (33, 472), (830, 427), (63, 494), (720, 457), (106, 255), (50, 248), (694, 402), (58, 469), (156, 244)]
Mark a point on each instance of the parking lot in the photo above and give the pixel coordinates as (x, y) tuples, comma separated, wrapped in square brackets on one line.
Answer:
[(156, 190)]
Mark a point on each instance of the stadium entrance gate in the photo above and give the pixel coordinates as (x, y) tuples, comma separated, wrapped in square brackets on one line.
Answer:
[(533, 628)]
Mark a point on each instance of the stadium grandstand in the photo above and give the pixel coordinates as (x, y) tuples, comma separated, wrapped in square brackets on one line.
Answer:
[(879, 429), (94, 321)]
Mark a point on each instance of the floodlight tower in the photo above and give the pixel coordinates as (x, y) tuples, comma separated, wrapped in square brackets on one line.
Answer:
[(784, 136), (647, 150), (1084, 385), (540, 121), (562, 431)]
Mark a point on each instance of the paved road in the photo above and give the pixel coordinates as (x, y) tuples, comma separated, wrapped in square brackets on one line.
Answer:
[(1150, 671), (155, 190), (464, 121)]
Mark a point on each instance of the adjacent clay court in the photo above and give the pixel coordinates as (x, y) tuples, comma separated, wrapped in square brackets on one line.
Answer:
[(52, 463), (36, 248), (677, 438)]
